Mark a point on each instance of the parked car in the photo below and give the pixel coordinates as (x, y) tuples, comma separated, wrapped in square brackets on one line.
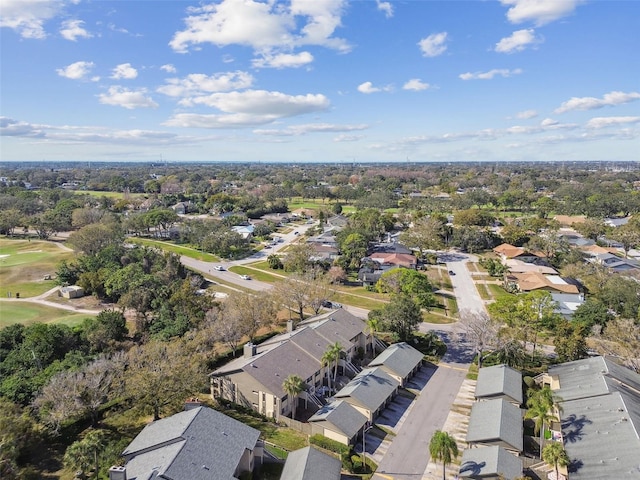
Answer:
[(245, 277), (451, 272), (219, 268)]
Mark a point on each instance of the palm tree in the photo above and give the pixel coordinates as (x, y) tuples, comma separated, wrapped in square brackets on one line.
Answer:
[(293, 385), (540, 405), (327, 361), (373, 326), (555, 455), (81, 454), (443, 447), (332, 356)]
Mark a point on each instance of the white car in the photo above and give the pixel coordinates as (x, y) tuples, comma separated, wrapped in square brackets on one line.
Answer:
[(219, 268), (245, 277)]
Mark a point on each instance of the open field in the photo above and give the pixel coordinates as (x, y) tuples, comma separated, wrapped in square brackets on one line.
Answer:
[(114, 195), (24, 265), (28, 313)]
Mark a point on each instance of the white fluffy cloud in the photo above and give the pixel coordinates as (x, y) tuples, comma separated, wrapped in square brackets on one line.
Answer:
[(548, 122), (249, 108), (14, 128), (124, 71), (540, 12), (416, 85), (602, 122), (129, 99), (591, 103), (385, 7), (264, 26), (502, 72), (434, 44), (198, 84), (76, 71), (367, 87), (168, 68), (283, 60), (27, 17), (518, 41), (527, 114), (73, 29)]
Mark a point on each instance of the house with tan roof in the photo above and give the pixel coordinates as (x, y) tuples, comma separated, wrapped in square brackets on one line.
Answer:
[(507, 251), (568, 220), (405, 260), (528, 282)]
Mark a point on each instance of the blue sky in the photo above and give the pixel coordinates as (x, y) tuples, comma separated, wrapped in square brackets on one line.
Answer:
[(320, 80)]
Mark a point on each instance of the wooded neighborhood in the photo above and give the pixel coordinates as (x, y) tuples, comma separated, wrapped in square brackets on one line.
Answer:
[(309, 306)]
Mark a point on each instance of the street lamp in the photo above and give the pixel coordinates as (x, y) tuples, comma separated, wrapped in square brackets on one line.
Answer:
[(365, 429)]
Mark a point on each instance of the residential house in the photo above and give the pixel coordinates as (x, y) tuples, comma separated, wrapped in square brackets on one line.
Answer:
[(518, 266), (496, 422), (507, 251), (568, 220), (370, 273), (499, 381), (616, 222), (246, 231), (490, 463), (339, 421), (370, 391), (255, 380), (400, 360), (309, 463), (337, 222), (196, 444), (567, 303), (182, 208), (599, 403), (528, 282), (405, 260), (615, 263)]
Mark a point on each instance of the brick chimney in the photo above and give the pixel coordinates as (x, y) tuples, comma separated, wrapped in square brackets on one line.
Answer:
[(190, 404)]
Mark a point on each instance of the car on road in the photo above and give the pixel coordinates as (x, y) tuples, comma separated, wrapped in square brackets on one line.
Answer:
[(451, 272), (296, 233), (245, 277), (219, 268)]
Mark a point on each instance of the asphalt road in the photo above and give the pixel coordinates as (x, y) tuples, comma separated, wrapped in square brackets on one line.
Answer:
[(208, 268), (408, 455)]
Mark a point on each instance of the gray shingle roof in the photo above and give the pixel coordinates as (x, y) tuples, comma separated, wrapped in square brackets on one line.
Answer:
[(399, 358), (309, 463), (198, 444), (495, 421), (272, 368), (499, 380), (601, 436), (337, 325), (490, 461), (370, 388), (600, 403), (591, 377), (342, 416)]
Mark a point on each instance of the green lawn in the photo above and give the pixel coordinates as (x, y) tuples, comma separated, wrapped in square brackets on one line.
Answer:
[(497, 291), (28, 313), (114, 195), (255, 274), (24, 265), (177, 249)]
